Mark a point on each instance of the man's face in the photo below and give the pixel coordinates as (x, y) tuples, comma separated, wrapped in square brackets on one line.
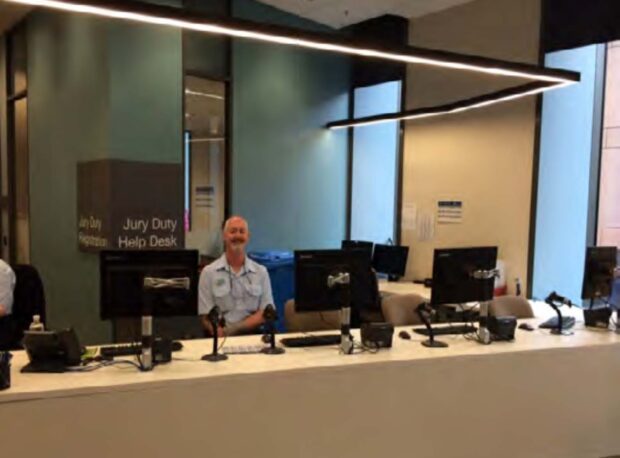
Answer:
[(236, 235)]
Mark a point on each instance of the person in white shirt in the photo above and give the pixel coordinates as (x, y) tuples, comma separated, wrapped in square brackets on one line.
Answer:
[(7, 285), (237, 285)]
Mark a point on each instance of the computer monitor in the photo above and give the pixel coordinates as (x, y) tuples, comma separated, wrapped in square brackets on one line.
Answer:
[(367, 247), (390, 260), (171, 289), (313, 267), (453, 279), (598, 273)]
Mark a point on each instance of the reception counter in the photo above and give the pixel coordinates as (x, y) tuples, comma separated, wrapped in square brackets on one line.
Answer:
[(539, 396)]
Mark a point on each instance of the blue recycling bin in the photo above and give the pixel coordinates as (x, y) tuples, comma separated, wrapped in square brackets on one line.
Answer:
[(281, 267)]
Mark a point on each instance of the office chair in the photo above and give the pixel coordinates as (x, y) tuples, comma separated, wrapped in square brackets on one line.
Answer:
[(309, 321), (516, 306), (399, 309), (28, 300)]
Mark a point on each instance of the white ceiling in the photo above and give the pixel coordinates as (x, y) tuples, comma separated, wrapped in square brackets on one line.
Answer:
[(335, 13), (339, 13)]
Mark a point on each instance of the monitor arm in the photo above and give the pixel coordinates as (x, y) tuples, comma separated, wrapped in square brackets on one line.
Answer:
[(484, 335), (342, 281), (485, 274), (157, 283)]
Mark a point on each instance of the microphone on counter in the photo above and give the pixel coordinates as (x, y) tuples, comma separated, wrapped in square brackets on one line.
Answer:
[(555, 297), (215, 318), (270, 315)]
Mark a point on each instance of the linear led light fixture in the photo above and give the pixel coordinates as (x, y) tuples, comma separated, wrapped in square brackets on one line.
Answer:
[(207, 140), (481, 101), (237, 28), (175, 17), (203, 94)]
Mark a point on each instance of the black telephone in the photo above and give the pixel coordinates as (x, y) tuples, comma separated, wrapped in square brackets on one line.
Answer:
[(51, 351)]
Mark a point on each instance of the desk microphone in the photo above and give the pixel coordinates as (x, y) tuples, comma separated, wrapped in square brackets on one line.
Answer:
[(214, 318), (270, 315), (555, 297)]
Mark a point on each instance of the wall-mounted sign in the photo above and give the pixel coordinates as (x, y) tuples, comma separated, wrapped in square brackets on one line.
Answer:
[(129, 205), (449, 212)]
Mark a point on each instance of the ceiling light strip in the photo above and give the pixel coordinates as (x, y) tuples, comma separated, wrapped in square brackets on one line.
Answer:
[(481, 101), (203, 94), (174, 17)]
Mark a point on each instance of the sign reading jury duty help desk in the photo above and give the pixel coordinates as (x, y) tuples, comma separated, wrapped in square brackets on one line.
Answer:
[(129, 205)]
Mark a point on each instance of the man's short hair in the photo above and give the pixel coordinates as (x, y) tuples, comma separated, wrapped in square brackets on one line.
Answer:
[(225, 222)]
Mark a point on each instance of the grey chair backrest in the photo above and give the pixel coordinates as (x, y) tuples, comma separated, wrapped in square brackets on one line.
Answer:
[(399, 309), (516, 306), (309, 321)]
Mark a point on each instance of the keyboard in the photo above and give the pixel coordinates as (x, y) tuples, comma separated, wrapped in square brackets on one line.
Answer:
[(129, 349), (243, 349), (552, 323), (311, 341), (447, 330)]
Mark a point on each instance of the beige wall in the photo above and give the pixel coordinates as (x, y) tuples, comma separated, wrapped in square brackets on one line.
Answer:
[(483, 157), (609, 210)]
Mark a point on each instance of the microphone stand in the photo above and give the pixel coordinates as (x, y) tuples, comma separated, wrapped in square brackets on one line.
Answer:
[(559, 331), (270, 315), (430, 342), (214, 319)]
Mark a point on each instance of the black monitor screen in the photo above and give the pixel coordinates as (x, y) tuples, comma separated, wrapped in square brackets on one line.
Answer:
[(367, 247), (453, 282), (390, 259), (598, 274), (313, 267), (122, 275)]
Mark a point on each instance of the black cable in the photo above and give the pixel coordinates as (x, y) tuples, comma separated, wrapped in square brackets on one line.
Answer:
[(221, 345), (104, 364)]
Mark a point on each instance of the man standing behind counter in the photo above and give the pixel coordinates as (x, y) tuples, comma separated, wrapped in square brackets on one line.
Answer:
[(236, 284)]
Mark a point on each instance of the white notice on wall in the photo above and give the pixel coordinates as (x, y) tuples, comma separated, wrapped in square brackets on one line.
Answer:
[(409, 217), (425, 227), (449, 212)]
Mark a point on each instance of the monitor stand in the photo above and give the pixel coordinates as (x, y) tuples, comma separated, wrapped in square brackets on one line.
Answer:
[(146, 362), (393, 278)]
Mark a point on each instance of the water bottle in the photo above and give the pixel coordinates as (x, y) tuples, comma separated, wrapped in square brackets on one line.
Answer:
[(36, 324)]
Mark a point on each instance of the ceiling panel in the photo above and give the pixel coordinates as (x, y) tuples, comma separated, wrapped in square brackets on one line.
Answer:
[(339, 13)]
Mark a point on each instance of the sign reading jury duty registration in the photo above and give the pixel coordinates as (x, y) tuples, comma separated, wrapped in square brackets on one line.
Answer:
[(129, 205)]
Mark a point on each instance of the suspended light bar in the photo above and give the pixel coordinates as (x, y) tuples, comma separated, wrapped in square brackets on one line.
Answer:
[(203, 94), (179, 18), (460, 106), (544, 78)]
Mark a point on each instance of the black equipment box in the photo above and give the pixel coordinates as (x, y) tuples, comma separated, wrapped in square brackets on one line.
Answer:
[(502, 327), (377, 335), (597, 318)]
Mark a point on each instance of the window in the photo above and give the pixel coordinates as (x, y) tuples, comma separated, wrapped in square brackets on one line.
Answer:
[(374, 175), (204, 164)]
